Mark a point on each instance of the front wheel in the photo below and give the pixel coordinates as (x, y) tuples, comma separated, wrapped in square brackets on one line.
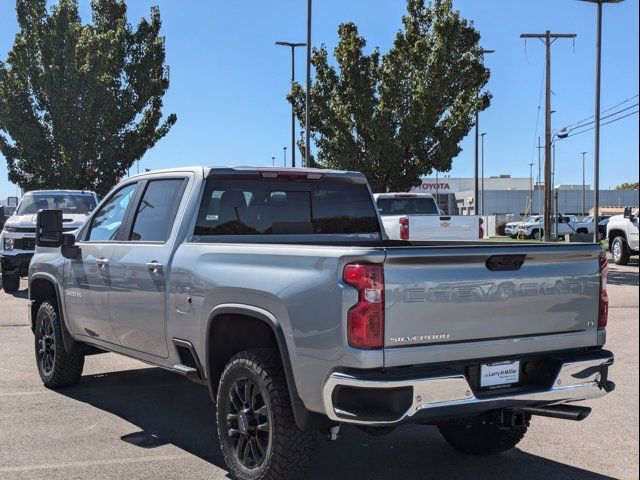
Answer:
[(481, 438), (10, 282), (620, 251), (57, 367), (258, 435)]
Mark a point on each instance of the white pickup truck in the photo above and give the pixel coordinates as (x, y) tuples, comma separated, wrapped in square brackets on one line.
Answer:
[(416, 217), (566, 225), (622, 236)]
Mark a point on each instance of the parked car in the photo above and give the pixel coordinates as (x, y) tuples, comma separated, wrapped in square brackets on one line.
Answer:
[(416, 217), (511, 228), (566, 225), (602, 224), (17, 240), (622, 236), (278, 290)]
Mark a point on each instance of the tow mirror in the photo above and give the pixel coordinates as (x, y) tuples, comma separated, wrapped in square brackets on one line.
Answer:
[(49, 228), (627, 212)]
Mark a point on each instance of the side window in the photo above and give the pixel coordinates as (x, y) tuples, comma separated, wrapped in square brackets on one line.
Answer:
[(155, 213), (108, 221)]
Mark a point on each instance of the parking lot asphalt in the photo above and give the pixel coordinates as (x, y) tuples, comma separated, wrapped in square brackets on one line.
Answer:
[(128, 420)]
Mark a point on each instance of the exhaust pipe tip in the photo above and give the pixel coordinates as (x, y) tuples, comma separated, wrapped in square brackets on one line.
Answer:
[(565, 412)]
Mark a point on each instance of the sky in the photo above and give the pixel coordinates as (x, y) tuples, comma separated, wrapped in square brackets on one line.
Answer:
[(229, 80)]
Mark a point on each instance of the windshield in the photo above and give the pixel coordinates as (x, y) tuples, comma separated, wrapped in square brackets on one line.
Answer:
[(80, 204), (408, 206)]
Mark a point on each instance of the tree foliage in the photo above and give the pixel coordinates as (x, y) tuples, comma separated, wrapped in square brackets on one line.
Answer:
[(403, 114), (628, 186), (79, 104)]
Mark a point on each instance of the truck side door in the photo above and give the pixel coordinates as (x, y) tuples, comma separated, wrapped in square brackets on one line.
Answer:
[(137, 297), (87, 278)]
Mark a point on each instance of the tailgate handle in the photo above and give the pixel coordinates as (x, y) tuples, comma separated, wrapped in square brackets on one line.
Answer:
[(505, 263), (445, 219)]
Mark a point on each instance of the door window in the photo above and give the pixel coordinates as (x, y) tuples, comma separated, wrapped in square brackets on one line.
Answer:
[(107, 223), (156, 211)]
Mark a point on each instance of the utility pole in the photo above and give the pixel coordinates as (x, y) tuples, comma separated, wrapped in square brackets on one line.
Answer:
[(583, 185), (540, 147), (548, 39), (477, 141), (307, 96), (293, 79), (482, 176)]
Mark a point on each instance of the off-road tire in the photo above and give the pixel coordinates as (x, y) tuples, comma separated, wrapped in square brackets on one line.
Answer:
[(66, 368), (10, 282), (620, 251), (290, 450), (481, 438)]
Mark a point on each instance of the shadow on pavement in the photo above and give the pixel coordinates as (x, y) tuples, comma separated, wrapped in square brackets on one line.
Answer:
[(619, 277), (169, 409)]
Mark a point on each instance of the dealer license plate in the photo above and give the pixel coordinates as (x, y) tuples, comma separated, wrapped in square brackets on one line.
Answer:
[(499, 374)]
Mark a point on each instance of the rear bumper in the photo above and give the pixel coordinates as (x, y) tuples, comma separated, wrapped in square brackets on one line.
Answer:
[(579, 377)]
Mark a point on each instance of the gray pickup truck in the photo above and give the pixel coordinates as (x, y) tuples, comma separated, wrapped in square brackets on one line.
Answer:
[(278, 290)]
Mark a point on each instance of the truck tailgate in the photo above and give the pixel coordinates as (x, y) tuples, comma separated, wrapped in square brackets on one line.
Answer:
[(446, 303), (434, 227)]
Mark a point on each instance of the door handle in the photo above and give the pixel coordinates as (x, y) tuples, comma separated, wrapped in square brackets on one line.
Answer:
[(102, 262), (154, 266)]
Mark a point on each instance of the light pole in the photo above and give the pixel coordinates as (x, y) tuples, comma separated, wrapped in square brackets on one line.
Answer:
[(292, 46), (596, 131), (475, 168), (530, 185), (307, 95), (583, 184), (273, 161), (482, 177), (284, 150)]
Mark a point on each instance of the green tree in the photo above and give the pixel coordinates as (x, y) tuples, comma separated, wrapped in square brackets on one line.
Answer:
[(79, 104), (403, 114), (628, 186)]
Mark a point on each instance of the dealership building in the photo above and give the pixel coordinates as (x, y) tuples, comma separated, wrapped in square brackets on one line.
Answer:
[(504, 195)]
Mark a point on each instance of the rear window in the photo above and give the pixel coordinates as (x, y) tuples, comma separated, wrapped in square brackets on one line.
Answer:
[(407, 206), (277, 207)]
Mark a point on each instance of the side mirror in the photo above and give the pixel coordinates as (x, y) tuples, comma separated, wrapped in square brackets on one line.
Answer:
[(69, 248), (49, 228), (627, 212)]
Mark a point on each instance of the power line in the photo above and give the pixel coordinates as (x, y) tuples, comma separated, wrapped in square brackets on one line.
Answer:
[(577, 124), (605, 123), (572, 127)]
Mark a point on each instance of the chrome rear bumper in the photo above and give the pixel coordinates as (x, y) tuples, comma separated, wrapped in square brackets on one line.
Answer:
[(451, 395)]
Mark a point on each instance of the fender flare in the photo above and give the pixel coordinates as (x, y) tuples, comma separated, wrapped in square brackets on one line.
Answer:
[(67, 339), (303, 417)]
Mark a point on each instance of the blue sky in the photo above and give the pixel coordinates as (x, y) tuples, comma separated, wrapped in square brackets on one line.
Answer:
[(228, 80)]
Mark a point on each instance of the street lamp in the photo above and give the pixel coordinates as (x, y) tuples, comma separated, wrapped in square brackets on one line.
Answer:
[(284, 150), (292, 46), (531, 186), (475, 183), (583, 183), (596, 149), (482, 176)]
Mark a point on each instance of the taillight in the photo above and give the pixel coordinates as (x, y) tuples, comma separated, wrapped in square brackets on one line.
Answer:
[(603, 304), (480, 229), (365, 320), (404, 228)]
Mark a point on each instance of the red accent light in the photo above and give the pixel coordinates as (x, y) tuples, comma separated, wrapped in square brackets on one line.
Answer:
[(404, 228), (603, 304), (365, 320), (291, 174)]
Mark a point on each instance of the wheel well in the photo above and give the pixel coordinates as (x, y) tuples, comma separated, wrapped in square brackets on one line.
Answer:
[(232, 333), (613, 234), (40, 290), (582, 230)]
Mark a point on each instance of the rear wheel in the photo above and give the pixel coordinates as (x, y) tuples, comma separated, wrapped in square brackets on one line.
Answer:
[(10, 282), (57, 367), (481, 438), (620, 251), (537, 235), (258, 435)]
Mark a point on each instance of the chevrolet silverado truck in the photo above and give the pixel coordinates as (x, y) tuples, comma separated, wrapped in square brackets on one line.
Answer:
[(416, 217), (278, 290), (564, 225), (622, 236), (18, 237)]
